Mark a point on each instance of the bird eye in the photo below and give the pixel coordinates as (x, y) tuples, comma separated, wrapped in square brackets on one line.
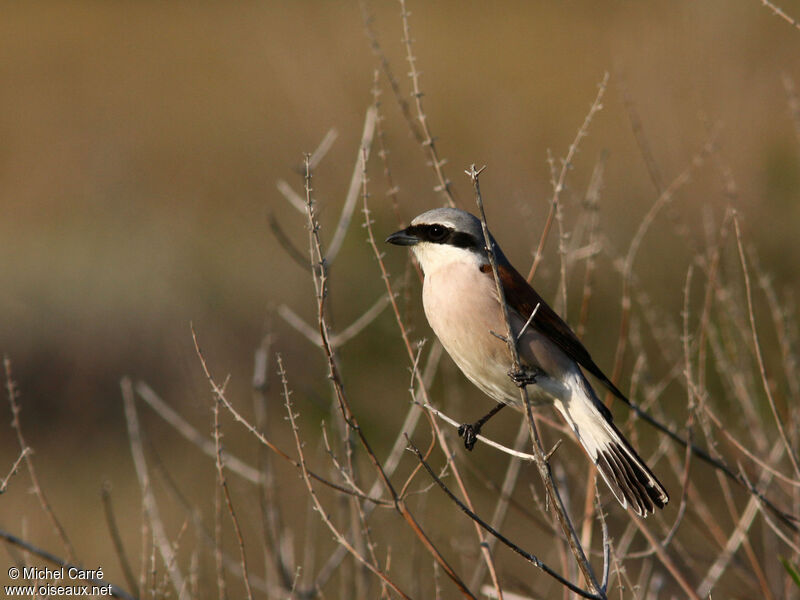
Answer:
[(437, 232)]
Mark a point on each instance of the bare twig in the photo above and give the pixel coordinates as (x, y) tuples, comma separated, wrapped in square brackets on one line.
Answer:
[(14, 468), (666, 560), (606, 542), (429, 142), (166, 412), (392, 190), (160, 538), (355, 186), (592, 203), (287, 191), (627, 270), (738, 536), (533, 559), (286, 243), (386, 67), (117, 539), (778, 12), (320, 509), (319, 153), (320, 278), (488, 441), (757, 348), (566, 165), (221, 479), (541, 462), (423, 390), (344, 336), (116, 591), (292, 197), (504, 496), (641, 140), (272, 527), (25, 453), (762, 463)]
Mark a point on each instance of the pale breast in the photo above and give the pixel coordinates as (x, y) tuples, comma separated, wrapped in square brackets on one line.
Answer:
[(461, 306)]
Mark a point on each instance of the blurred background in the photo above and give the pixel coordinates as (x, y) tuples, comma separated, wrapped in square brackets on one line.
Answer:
[(142, 143)]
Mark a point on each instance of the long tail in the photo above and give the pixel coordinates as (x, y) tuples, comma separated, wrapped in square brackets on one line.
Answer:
[(623, 470)]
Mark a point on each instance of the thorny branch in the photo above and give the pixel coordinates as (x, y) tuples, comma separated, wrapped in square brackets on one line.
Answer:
[(566, 165), (527, 555), (541, 461), (320, 277)]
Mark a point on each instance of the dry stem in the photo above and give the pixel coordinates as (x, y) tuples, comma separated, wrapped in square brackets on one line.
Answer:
[(541, 462)]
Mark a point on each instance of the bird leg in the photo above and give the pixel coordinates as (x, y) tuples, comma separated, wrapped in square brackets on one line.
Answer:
[(525, 375), (470, 431)]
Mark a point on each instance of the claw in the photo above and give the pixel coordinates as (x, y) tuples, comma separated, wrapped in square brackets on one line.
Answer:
[(470, 434), (525, 376)]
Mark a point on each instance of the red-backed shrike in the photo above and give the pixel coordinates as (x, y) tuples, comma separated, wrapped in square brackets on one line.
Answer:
[(460, 299)]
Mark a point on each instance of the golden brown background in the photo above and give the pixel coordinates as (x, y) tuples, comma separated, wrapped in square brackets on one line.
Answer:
[(140, 147)]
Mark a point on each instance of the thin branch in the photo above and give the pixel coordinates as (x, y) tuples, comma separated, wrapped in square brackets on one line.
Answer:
[(489, 442), (533, 559), (116, 591), (160, 538), (762, 464), (219, 460), (392, 461), (292, 197), (166, 412), (429, 142), (319, 508), (320, 278), (737, 537), (606, 542), (778, 12), (11, 391), (503, 498), (344, 336), (299, 325), (319, 153), (272, 526), (266, 442), (14, 469), (355, 185), (592, 206), (528, 322), (392, 190), (295, 199), (361, 323), (666, 560), (757, 346), (119, 548), (286, 243), (641, 140), (386, 67), (627, 269), (541, 461), (566, 165), (423, 389)]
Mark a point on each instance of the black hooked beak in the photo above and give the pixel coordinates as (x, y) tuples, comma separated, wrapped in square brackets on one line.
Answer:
[(402, 238)]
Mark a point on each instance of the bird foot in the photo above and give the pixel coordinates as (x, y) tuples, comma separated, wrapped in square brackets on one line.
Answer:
[(525, 376), (469, 431)]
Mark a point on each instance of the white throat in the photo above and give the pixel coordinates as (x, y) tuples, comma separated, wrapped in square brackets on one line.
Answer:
[(432, 257)]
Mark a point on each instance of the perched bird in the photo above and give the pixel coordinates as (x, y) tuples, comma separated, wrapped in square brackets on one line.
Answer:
[(460, 298)]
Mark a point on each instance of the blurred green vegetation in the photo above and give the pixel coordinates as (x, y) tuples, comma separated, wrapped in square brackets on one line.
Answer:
[(141, 143)]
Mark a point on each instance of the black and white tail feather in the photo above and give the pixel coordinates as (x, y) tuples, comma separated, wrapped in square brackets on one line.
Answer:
[(625, 473)]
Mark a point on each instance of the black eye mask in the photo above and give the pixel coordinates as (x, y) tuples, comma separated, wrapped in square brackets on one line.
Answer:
[(441, 234)]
